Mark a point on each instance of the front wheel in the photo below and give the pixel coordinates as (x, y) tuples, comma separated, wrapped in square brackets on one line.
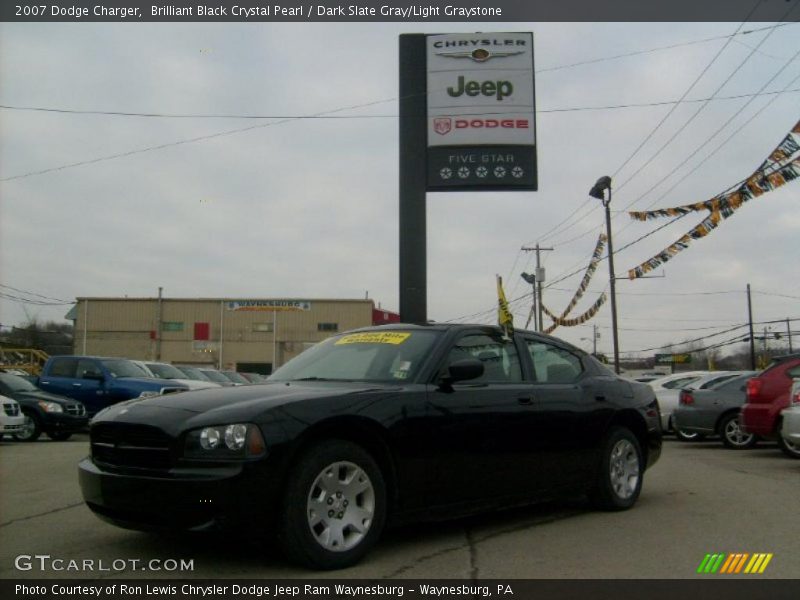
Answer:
[(31, 429), (733, 436), (335, 506), (790, 449), (618, 480)]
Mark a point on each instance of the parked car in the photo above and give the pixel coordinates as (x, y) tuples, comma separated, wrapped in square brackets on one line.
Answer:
[(392, 423), (11, 418), (166, 371), (767, 396), (254, 377), (217, 377), (57, 416), (666, 389), (191, 372), (790, 422), (715, 410), (235, 378), (98, 382)]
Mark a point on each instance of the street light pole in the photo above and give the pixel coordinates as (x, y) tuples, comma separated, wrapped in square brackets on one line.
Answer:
[(603, 184)]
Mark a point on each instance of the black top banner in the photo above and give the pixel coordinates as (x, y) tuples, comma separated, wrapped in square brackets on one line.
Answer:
[(400, 11)]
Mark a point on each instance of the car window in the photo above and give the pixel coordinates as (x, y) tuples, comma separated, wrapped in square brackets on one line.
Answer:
[(499, 357), (15, 383), (63, 367), (734, 385), (553, 364), (88, 368), (679, 383), (794, 372), (717, 381), (123, 368)]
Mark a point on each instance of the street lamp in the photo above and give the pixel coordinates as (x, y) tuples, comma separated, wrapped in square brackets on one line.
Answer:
[(603, 184)]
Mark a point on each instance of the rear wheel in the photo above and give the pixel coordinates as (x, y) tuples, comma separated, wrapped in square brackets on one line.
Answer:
[(335, 506), (733, 436), (618, 480), (31, 429), (790, 449)]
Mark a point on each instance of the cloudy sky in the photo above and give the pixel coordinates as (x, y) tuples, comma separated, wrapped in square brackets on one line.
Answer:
[(307, 208)]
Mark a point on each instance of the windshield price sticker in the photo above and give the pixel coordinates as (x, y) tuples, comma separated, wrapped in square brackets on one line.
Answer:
[(374, 337)]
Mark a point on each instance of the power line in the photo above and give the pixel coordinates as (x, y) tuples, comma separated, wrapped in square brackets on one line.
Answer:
[(29, 293)]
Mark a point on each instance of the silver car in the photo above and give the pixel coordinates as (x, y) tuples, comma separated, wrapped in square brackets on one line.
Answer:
[(790, 428), (714, 409)]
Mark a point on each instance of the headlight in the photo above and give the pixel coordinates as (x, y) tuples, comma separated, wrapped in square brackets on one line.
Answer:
[(237, 440), (50, 407)]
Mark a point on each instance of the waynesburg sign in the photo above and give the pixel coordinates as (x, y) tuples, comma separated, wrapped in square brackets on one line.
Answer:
[(480, 111)]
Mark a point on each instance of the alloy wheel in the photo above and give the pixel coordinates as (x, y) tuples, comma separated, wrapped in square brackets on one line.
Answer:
[(624, 469), (341, 506), (734, 433)]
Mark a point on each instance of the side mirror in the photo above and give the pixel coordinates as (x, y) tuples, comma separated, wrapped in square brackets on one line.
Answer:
[(463, 370)]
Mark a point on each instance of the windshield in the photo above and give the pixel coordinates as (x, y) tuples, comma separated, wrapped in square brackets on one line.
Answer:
[(216, 376), (15, 383), (379, 356), (124, 368), (164, 371), (235, 377), (193, 373)]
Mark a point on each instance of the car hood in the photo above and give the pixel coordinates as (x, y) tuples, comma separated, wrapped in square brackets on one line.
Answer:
[(35, 396), (229, 404)]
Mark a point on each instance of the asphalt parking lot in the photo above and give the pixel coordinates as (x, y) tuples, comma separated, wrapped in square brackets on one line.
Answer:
[(699, 498)]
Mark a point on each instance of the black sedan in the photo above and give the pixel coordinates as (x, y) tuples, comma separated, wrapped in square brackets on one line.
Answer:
[(380, 425), (57, 416)]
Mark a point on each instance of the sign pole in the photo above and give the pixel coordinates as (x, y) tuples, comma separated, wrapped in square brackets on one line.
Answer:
[(413, 141)]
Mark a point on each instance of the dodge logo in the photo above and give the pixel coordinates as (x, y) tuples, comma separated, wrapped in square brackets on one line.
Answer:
[(442, 125)]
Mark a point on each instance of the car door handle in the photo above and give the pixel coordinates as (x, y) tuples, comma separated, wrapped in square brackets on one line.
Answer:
[(600, 398), (525, 400), (76, 385)]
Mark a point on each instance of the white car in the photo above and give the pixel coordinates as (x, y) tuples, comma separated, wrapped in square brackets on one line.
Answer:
[(11, 418), (166, 371), (790, 428), (667, 389)]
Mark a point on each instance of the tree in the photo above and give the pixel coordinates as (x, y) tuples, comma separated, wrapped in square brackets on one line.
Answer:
[(50, 337)]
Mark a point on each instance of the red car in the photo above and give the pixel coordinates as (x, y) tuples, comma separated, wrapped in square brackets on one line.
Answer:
[(767, 396)]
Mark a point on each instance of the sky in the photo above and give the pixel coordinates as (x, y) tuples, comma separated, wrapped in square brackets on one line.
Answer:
[(307, 208)]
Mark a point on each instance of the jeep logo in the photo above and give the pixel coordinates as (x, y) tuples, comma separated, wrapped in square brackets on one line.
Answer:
[(498, 89)]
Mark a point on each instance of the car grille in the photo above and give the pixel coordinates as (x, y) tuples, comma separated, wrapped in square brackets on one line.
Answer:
[(128, 445), (76, 410), (11, 409)]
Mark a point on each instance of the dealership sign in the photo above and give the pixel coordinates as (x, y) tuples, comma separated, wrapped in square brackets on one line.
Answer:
[(480, 112), (268, 305), (673, 359)]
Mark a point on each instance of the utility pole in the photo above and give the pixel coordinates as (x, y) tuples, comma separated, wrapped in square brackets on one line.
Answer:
[(594, 340), (159, 322), (539, 278), (531, 315), (789, 334), (750, 324)]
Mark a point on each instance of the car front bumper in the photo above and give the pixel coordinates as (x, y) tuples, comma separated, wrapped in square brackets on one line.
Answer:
[(64, 422), (231, 496)]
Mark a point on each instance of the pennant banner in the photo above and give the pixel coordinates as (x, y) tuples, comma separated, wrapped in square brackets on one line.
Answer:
[(504, 317), (577, 320), (772, 174), (587, 277)]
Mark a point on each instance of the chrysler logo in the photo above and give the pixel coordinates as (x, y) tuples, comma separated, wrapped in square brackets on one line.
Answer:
[(479, 54)]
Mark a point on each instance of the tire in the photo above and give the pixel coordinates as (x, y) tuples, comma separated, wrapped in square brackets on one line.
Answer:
[(59, 436), (732, 434), (334, 508), (31, 430), (789, 449), (689, 437), (618, 481)]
